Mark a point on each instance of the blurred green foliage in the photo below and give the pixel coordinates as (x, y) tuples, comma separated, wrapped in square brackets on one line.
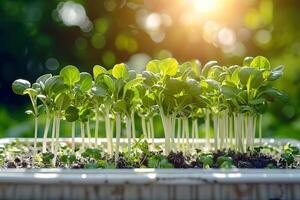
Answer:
[(43, 36)]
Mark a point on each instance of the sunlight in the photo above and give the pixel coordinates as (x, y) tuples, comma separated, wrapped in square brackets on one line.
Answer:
[(205, 6)]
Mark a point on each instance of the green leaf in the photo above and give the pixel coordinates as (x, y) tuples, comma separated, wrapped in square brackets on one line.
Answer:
[(109, 82), (20, 85), (153, 66), (31, 92), (55, 85), (222, 159), (86, 81), (235, 76), (207, 66), (256, 79), (207, 160), (288, 157), (99, 91), (244, 74), (43, 78), (120, 106), (132, 84), (260, 62), (168, 66), (62, 101), (276, 73), (120, 71), (229, 91), (148, 101), (70, 75), (72, 114), (174, 86), (149, 78), (272, 94), (257, 101), (247, 61), (97, 70), (213, 84)]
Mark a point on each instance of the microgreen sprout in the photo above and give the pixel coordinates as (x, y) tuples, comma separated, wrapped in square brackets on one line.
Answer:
[(230, 100)]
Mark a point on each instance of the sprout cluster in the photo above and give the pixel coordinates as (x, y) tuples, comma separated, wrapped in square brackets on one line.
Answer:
[(228, 99)]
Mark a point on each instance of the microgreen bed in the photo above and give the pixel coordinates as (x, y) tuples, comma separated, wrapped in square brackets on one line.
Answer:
[(228, 100)]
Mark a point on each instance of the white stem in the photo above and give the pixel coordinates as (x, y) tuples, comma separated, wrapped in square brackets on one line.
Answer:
[(242, 121), (179, 130), (216, 131), (173, 127), (152, 130), (230, 131), (56, 148), (144, 128), (53, 134), (260, 129), (193, 134), (118, 135), (48, 121), (128, 130), (148, 129), (96, 127), (187, 133), (88, 130), (108, 131), (82, 135), (36, 122), (207, 130), (133, 125), (73, 136)]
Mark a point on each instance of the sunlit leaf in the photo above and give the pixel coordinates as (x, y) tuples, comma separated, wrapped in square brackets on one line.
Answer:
[(20, 85), (260, 62), (169, 66), (97, 70), (70, 75), (86, 81), (153, 66), (120, 71)]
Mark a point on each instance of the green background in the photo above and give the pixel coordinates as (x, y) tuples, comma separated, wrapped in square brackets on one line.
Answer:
[(39, 37)]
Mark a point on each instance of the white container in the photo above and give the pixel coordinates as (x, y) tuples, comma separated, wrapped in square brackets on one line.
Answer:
[(153, 184)]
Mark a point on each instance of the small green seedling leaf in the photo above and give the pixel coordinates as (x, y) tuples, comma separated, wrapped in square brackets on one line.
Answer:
[(20, 85), (244, 74), (31, 92), (132, 84), (207, 66), (229, 91), (272, 94), (256, 79), (260, 62), (62, 101), (247, 61), (276, 73), (120, 106), (168, 66), (99, 91), (55, 85), (97, 70), (288, 157), (153, 66), (120, 71), (86, 81), (70, 75), (43, 78), (72, 114), (108, 81)]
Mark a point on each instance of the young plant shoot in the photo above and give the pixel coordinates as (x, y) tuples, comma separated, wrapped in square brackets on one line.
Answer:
[(227, 101)]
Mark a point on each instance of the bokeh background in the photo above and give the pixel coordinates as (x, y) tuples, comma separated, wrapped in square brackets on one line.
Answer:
[(39, 37)]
